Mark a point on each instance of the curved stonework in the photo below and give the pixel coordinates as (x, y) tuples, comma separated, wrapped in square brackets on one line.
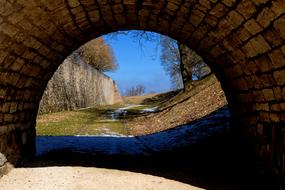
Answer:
[(241, 40)]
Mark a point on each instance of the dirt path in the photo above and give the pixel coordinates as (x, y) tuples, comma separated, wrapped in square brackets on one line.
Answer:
[(85, 178)]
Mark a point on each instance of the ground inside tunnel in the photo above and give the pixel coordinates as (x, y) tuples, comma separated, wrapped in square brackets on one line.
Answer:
[(200, 154)]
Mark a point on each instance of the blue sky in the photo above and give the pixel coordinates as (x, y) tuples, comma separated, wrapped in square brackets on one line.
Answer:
[(137, 64)]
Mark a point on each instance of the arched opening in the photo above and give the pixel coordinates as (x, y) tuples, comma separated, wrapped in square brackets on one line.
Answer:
[(242, 41)]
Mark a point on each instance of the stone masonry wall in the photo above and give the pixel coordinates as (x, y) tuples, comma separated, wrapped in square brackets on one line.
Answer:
[(78, 85)]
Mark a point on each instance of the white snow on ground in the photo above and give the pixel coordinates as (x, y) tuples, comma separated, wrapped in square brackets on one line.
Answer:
[(181, 136), (149, 110), (123, 111)]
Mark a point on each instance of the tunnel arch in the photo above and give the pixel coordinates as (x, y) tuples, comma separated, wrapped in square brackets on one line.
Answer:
[(241, 40)]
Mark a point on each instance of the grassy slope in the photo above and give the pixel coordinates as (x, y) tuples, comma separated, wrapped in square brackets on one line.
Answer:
[(180, 107), (81, 122)]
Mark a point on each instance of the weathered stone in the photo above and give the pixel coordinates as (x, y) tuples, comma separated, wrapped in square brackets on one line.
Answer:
[(229, 3), (279, 26), (277, 93), (235, 18), (277, 59), (262, 106), (246, 8), (73, 3), (268, 94), (3, 159), (256, 46), (279, 77), (265, 17), (282, 106), (253, 27), (84, 85), (8, 29), (274, 117)]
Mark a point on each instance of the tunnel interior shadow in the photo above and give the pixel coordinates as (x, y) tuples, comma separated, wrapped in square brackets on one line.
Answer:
[(199, 154)]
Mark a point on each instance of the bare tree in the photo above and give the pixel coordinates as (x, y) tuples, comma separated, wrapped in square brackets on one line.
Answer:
[(170, 60), (192, 66), (181, 63), (136, 90), (98, 54)]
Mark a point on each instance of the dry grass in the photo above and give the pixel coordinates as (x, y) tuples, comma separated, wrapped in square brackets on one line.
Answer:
[(206, 97)]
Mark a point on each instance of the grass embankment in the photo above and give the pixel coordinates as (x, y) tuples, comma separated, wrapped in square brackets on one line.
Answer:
[(90, 121), (175, 108), (180, 107)]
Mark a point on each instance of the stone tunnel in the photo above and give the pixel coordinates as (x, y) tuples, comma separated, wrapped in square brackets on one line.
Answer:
[(241, 40)]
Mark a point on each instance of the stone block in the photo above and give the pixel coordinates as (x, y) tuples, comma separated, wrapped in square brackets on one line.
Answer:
[(3, 159), (32, 43), (118, 8), (279, 26), (274, 117), (268, 94), (265, 17), (16, 17), (8, 118), (256, 46), (235, 18), (275, 107), (279, 77), (7, 8), (252, 26), (8, 29), (13, 107), (246, 8), (282, 106), (273, 37), (277, 93), (196, 17), (219, 10), (283, 119), (267, 80), (172, 6), (277, 59), (73, 3), (278, 7), (229, 3), (262, 107), (18, 64), (283, 50), (264, 116), (263, 63)]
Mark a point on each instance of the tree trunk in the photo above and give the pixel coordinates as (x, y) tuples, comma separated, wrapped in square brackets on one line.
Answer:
[(185, 65)]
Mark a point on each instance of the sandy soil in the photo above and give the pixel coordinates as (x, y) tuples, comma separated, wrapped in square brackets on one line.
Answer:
[(85, 178)]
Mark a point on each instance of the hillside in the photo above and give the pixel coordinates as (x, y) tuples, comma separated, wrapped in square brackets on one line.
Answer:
[(178, 107)]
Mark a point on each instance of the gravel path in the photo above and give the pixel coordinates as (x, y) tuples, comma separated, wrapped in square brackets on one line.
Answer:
[(83, 178)]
